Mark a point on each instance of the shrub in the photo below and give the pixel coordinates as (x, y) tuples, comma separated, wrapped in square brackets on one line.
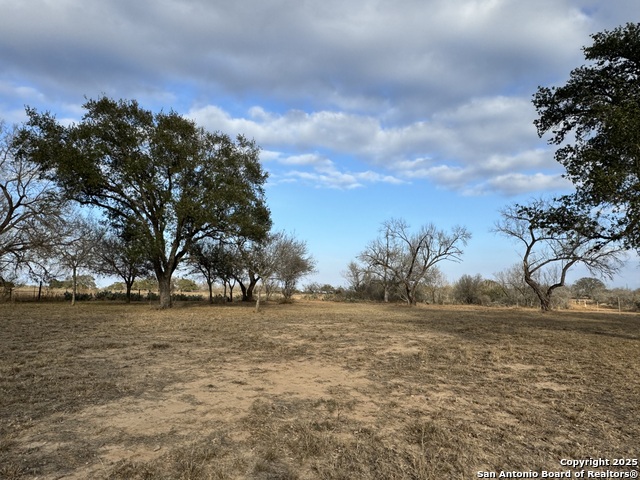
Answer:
[(468, 290), (119, 296), (80, 297), (182, 297)]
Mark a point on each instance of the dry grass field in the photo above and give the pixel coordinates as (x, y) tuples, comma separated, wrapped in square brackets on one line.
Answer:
[(311, 390)]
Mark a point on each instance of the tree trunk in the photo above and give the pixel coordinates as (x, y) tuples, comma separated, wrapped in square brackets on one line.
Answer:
[(164, 286), (409, 295), (413, 298), (129, 285), (74, 285), (243, 289), (210, 285), (545, 302), (247, 294), (258, 301), (543, 296)]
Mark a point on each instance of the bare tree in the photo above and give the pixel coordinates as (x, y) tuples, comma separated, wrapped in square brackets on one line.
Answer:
[(380, 255), (292, 262), (434, 282), (549, 253), (203, 260), (76, 249), (357, 277), (30, 208), (408, 257), (468, 289), (42, 267), (513, 286), (280, 257), (265, 258)]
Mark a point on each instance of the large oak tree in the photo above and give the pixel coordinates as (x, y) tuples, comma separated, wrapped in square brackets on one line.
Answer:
[(159, 174), (594, 119)]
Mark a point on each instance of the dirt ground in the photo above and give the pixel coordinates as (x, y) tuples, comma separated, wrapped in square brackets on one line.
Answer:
[(312, 390)]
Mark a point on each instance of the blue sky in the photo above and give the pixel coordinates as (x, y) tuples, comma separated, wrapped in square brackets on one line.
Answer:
[(365, 110)]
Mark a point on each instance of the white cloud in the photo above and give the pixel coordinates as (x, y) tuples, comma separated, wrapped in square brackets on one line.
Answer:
[(323, 172), (333, 178), (308, 159), (433, 89), (448, 175), (518, 183), (456, 149)]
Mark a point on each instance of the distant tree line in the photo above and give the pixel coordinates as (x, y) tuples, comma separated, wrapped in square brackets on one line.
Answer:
[(506, 288)]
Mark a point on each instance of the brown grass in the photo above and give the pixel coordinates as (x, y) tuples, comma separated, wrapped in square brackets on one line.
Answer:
[(311, 390)]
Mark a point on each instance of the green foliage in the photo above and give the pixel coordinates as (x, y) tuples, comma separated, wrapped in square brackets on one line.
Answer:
[(147, 283), (599, 107), (79, 297), (187, 298), (157, 177), (185, 285), (86, 282), (467, 289), (118, 286), (213, 260), (118, 295), (55, 283), (123, 255), (589, 287)]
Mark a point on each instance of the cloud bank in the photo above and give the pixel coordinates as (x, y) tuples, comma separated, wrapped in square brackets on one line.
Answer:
[(339, 94)]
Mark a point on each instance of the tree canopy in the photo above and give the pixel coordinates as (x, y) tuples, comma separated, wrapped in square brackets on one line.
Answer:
[(157, 175), (595, 120)]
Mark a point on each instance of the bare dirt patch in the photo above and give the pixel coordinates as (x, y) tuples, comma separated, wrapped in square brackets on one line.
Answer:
[(311, 390)]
